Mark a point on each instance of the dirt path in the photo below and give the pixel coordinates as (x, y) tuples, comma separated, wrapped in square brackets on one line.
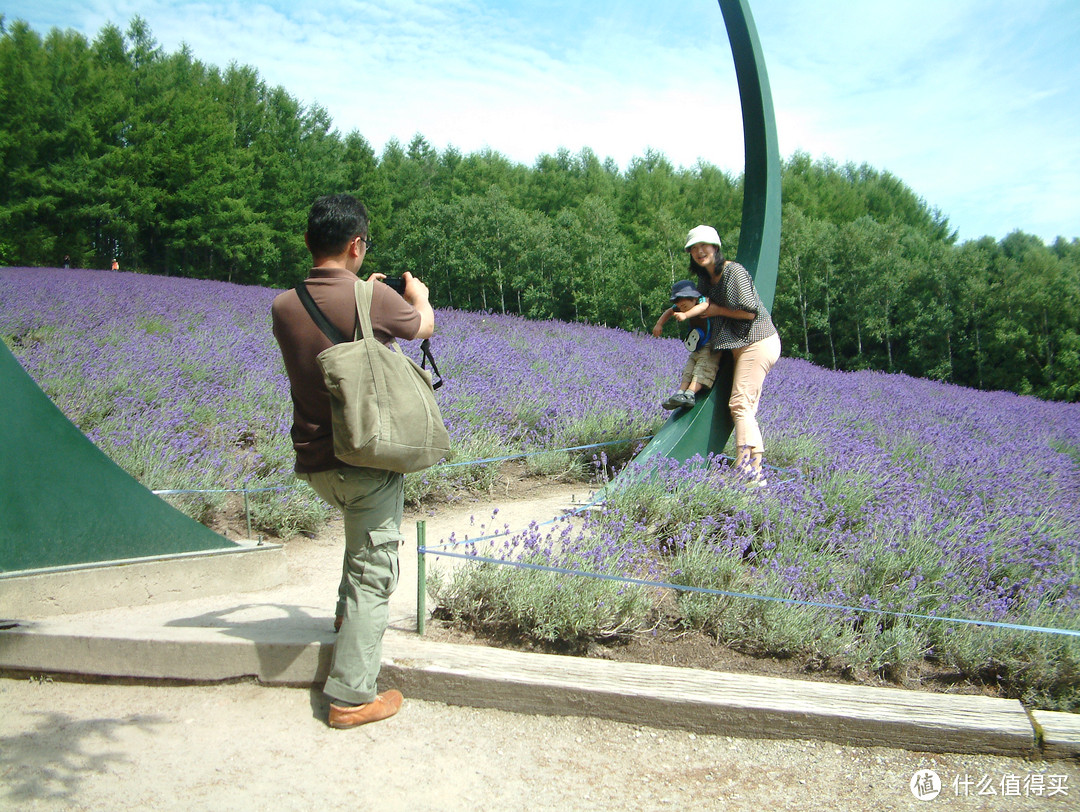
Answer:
[(70, 746)]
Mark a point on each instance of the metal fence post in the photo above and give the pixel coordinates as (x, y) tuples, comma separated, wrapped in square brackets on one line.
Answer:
[(421, 577)]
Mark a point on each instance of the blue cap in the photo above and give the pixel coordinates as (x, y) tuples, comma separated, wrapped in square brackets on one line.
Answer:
[(684, 289)]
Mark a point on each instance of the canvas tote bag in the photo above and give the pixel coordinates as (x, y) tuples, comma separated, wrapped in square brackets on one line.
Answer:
[(382, 402)]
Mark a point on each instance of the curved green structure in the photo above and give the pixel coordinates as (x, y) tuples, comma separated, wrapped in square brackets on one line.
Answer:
[(64, 502), (705, 428)]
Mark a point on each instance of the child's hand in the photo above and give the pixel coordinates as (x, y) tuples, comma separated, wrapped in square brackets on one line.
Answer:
[(657, 330), (680, 316)]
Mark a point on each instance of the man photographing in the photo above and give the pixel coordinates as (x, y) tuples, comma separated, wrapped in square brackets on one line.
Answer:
[(370, 499)]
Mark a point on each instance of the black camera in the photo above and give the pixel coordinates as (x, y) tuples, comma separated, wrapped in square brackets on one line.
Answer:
[(397, 283)]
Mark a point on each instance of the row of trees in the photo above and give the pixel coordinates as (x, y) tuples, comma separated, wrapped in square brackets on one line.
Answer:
[(866, 293), (113, 148)]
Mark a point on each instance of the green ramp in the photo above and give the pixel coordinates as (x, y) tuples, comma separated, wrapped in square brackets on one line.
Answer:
[(64, 502), (700, 430), (705, 428)]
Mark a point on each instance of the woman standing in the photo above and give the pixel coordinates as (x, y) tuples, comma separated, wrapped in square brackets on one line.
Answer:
[(739, 322)]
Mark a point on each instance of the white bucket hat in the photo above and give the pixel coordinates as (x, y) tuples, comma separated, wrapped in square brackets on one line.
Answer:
[(706, 234)]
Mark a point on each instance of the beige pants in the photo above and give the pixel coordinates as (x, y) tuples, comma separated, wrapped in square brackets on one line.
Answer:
[(752, 364), (701, 368)]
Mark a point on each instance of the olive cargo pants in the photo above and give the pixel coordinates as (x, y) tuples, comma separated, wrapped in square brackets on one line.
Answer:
[(371, 501)]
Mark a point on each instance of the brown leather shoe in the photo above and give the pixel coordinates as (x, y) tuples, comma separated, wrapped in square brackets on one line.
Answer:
[(382, 707)]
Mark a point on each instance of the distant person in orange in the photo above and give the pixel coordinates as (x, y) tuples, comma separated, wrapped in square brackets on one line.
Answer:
[(115, 264)]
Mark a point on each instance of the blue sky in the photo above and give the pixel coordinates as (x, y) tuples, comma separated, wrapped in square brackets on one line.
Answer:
[(975, 104)]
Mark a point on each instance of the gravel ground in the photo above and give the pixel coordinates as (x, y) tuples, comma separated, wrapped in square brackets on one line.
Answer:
[(75, 746)]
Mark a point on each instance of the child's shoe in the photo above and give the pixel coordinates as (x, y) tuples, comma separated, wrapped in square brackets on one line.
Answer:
[(688, 399), (675, 401)]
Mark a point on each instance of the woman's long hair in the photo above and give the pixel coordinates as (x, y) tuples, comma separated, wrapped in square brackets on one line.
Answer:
[(702, 274)]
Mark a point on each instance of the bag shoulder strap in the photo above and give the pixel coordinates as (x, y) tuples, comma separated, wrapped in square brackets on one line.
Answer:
[(363, 293), (329, 330)]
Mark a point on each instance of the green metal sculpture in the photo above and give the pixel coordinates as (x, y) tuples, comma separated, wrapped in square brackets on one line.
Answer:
[(63, 502), (705, 428)]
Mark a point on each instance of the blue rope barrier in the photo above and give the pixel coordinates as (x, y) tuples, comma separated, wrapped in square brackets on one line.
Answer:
[(484, 461), (748, 595), (177, 491), (537, 453), (591, 503), (174, 492)]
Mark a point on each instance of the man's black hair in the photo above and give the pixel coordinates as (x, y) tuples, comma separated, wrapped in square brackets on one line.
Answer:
[(332, 222)]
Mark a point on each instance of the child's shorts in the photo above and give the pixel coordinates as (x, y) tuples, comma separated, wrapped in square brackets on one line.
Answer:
[(701, 367)]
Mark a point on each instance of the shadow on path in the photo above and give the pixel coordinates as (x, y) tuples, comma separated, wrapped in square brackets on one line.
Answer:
[(51, 761), (280, 634)]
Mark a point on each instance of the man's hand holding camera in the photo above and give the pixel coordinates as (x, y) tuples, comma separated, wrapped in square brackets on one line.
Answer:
[(414, 292)]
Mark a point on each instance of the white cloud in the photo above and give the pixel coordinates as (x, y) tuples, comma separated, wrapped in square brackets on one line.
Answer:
[(973, 103)]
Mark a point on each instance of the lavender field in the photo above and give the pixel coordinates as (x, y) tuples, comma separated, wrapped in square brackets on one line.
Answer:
[(892, 497), (181, 383)]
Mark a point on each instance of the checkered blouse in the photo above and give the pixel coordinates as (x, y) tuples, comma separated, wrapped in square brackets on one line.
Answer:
[(736, 290)]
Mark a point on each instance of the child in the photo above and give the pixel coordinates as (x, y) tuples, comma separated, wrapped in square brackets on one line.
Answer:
[(700, 370)]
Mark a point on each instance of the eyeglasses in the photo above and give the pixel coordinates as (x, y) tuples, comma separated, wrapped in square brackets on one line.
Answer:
[(368, 244)]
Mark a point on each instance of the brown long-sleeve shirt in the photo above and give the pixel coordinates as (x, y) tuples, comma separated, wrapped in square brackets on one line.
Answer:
[(301, 341)]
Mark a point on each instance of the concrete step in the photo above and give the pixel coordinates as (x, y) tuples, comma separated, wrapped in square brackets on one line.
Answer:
[(292, 644)]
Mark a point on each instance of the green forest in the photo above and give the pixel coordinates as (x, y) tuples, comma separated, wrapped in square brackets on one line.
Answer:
[(114, 148)]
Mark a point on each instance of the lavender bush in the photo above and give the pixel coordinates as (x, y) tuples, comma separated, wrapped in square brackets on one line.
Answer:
[(891, 496), (175, 379), (181, 383)]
